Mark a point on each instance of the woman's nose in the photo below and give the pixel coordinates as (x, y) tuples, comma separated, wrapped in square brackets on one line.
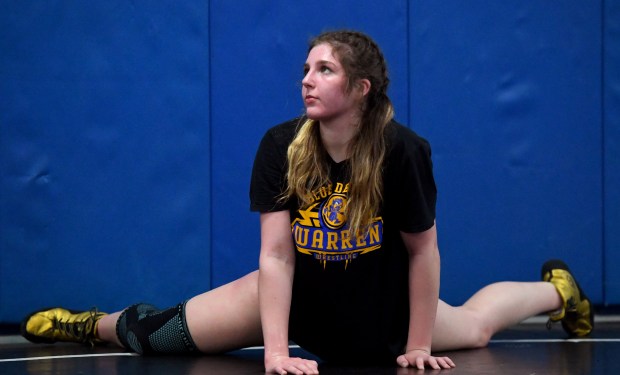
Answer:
[(307, 81)]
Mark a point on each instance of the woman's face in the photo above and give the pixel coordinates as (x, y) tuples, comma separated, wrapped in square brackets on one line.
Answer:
[(324, 87)]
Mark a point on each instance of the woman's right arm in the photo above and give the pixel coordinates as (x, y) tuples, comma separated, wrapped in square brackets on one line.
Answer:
[(275, 284)]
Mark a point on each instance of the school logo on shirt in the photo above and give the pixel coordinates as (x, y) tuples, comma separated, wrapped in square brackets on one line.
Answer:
[(321, 229), (333, 211)]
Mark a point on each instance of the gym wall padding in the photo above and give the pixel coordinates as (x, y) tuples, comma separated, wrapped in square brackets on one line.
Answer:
[(128, 131), (509, 94), (104, 154), (611, 149)]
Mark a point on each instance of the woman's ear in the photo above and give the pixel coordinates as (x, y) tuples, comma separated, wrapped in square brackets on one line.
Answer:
[(364, 86)]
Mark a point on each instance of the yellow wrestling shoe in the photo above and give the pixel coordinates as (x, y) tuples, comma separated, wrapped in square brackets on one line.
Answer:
[(58, 324), (576, 313)]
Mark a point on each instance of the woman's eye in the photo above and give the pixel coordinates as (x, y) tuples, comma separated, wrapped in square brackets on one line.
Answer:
[(325, 69)]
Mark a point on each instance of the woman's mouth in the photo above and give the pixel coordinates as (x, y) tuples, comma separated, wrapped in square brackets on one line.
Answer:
[(310, 99)]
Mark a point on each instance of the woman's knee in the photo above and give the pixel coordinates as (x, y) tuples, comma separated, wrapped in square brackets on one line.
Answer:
[(460, 328), (148, 330), (481, 330)]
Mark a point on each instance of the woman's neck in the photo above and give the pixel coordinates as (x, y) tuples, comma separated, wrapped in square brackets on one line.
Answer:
[(336, 138)]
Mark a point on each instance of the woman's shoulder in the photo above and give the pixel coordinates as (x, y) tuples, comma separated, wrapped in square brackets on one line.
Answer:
[(402, 139), (284, 132)]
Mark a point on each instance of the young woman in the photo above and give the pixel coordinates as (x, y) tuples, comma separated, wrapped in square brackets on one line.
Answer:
[(349, 263)]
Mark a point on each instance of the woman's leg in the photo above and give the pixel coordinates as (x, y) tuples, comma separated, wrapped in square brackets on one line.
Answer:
[(106, 328), (226, 318), (501, 305), (219, 320), (493, 308)]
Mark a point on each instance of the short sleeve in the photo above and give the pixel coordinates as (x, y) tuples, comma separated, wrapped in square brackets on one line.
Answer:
[(269, 172), (411, 186)]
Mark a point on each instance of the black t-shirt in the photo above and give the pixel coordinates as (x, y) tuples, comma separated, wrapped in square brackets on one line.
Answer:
[(350, 295)]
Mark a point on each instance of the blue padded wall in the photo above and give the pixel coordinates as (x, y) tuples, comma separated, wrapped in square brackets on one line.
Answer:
[(612, 151), (509, 94), (128, 131), (104, 143)]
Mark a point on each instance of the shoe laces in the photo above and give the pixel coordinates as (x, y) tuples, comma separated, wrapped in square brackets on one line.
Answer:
[(80, 330)]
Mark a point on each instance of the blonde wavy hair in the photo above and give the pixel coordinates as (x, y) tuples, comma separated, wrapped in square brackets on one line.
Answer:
[(308, 161)]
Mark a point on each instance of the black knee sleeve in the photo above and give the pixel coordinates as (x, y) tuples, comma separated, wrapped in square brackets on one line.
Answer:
[(146, 329)]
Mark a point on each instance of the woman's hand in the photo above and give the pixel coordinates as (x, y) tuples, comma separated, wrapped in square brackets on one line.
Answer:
[(290, 365), (420, 358)]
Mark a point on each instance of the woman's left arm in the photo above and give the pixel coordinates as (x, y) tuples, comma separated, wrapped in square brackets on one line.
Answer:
[(424, 269)]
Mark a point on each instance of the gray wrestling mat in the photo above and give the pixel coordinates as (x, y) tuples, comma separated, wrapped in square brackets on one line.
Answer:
[(528, 348)]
